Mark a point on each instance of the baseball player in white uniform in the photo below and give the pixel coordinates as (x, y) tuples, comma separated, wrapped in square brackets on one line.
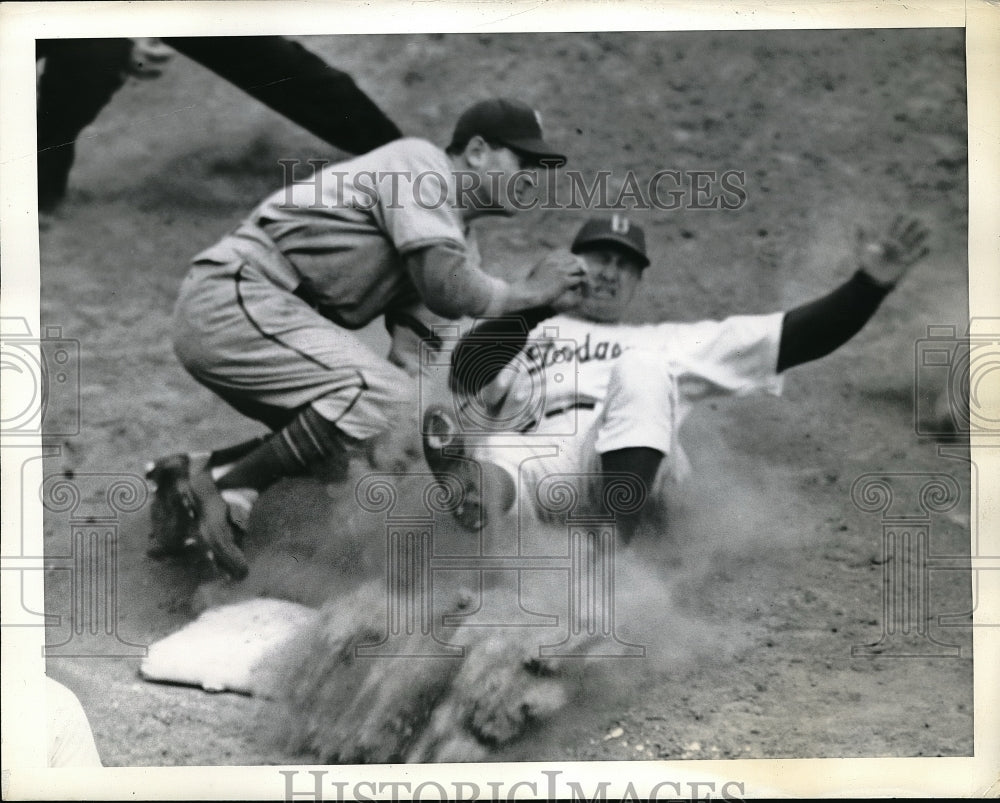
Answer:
[(580, 393), (265, 316)]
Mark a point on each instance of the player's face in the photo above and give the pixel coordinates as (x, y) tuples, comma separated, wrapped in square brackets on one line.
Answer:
[(614, 275), (507, 181)]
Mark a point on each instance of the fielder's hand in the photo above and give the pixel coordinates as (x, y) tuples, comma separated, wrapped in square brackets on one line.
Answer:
[(886, 259), (559, 279)]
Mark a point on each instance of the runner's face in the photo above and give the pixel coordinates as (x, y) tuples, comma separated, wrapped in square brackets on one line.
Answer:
[(614, 275)]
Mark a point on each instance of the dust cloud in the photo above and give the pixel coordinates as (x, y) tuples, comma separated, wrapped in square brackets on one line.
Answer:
[(540, 666)]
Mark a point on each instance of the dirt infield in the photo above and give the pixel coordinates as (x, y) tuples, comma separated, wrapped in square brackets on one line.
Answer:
[(769, 573)]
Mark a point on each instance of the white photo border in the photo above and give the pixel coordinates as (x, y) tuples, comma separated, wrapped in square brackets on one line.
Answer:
[(24, 773)]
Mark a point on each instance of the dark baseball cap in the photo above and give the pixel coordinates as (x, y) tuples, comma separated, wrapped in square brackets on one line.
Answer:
[(616, 229), (509, 123)]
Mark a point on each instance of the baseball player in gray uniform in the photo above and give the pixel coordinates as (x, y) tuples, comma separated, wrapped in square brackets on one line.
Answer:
[(265, 317), (633, 385)]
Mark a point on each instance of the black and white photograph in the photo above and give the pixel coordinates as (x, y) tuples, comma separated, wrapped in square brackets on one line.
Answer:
[(477, 401)]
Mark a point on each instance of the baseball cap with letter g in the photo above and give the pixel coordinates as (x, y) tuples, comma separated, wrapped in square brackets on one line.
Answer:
[(616, 229), (510, 123)]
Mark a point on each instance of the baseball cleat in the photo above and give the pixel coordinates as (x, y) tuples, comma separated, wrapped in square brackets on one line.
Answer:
[(219, 537), (189, 514), (171, 511), (448, 457), (440, 432)]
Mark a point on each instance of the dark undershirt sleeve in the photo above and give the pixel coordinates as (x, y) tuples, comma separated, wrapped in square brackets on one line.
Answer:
[(482, 353), (808, 332), (819, 327)]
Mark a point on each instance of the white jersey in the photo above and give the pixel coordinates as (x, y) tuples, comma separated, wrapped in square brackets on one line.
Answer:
[(569, 360), (579, 389)]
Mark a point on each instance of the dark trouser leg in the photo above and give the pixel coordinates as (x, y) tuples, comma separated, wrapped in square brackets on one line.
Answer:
[(309, 441), (79, 78), (296, 83), (640, 461), (230, 454)]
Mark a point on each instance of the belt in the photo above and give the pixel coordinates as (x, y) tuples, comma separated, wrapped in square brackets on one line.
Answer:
[(566, 408)]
